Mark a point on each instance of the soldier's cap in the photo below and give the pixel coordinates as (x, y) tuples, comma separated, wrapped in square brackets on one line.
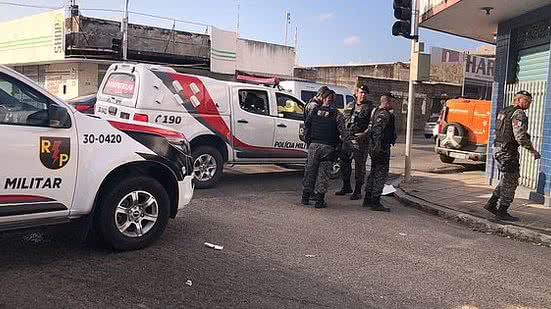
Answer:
[(525, 93), (322, 90), (389, 95), (327, 93), (364, 88)]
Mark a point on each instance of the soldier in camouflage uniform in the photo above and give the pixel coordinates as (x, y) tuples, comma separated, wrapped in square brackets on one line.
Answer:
[(510, 133), (325, 126), (382, 134), (357, 115)]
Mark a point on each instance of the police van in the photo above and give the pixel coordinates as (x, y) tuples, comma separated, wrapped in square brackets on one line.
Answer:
[(306, 90), (124, 179), (225, 122)]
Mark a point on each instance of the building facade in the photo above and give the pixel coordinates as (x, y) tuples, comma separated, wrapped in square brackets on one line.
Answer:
[(390, 77), (68, 53)]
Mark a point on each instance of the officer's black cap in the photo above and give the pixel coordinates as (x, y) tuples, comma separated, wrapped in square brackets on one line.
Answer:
[(327, 93), (322, 90), (525, 93), (389, 95), (364, 88)]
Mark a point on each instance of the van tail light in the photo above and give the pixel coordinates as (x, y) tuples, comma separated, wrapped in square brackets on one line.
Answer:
[(82, 107), (141, 117)]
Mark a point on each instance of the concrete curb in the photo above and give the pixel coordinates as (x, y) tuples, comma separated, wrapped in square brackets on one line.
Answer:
[(476, 223)]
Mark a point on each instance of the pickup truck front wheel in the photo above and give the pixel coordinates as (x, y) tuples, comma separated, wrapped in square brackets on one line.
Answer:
[(208, 165), (133, 213)]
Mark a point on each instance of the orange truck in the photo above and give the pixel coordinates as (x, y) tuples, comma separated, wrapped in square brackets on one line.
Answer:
[(463, 130)]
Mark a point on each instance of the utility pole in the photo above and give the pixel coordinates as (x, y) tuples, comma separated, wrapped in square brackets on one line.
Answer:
[(124, 30), (407, 13), (411, 95)]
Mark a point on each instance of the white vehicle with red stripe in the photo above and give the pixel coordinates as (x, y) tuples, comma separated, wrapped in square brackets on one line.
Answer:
[(225, 122), (122, 179)]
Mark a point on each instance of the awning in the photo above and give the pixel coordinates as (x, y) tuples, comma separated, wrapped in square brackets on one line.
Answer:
[(468, 18)]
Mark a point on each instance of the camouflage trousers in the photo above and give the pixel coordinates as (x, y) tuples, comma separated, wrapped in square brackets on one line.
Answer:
[(377, 176), (360, 158), (509, 166), (318, 168)]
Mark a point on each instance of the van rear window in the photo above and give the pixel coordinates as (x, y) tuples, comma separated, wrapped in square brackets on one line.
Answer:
[(339, 101), (306, 95), (120, 85)]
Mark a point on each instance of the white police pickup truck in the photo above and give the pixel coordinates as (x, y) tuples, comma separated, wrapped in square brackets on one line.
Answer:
[(57, 165)]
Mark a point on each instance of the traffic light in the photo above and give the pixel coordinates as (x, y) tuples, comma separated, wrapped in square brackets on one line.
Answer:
[(402, 12), (116, 45)]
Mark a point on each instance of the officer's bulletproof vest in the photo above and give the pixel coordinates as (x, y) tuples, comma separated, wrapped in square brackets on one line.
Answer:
[(360, 119), (323, 126), (504, 128), (389, 134)]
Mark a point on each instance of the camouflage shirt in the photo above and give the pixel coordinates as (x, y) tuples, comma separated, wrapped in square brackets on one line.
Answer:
[(520, 129)]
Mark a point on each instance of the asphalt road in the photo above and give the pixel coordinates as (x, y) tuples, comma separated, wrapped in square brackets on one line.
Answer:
[(278, 254)]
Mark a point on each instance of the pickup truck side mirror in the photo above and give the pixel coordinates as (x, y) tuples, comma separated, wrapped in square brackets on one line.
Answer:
[(58, 116)]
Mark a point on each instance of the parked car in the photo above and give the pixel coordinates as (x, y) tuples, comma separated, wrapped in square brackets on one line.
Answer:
[(431, 129), (464, 126), (84, 104), (225, 122), (121, 178)]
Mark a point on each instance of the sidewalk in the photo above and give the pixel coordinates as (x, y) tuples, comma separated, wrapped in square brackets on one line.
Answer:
[(467, 193)]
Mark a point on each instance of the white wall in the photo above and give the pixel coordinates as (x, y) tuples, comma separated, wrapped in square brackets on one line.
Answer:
[(265, 58), (426, 5), (87, 78), (62, 80)]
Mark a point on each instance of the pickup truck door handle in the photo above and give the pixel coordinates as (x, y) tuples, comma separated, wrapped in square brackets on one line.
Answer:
[(242, 121), (281, 125)]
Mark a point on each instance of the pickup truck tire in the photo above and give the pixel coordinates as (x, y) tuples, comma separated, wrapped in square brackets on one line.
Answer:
[(446, 159), (133, 213), (208, 166)]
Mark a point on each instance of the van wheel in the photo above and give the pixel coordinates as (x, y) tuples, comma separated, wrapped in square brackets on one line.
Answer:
[(133, 213), (208, 166), (446, 159)]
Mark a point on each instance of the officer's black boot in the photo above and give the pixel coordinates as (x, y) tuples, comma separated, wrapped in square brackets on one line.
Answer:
[(305, 198), (502, 214), (491, 205), (357, 192), (377, 206), (320, 201), (367, 201), (346, 188)]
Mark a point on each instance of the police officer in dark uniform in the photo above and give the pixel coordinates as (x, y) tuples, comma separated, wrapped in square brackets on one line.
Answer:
[(382, 135), (326, 127), (358, 116), (511, 132)]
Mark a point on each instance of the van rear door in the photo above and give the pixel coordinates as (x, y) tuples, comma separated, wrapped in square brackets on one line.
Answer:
[(118, 93)]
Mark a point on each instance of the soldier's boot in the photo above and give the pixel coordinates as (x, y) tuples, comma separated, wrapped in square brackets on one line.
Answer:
[(357, 192), (346, 188), (491, 205), (320, 201), (305, 198), (377, 206), (367, 201), (502, 214)]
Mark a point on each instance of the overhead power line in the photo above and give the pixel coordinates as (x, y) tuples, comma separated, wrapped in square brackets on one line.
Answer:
[(31, 5)]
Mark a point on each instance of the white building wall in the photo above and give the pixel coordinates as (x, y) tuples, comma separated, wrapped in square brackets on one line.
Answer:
[(265, 58)]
